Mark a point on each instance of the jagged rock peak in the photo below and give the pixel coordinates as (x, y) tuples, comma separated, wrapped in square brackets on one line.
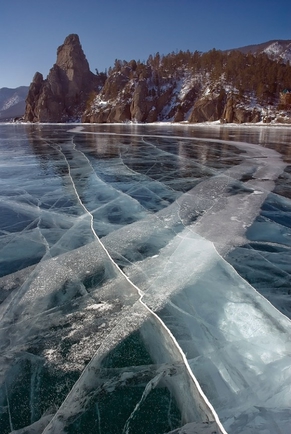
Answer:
[(37, 78), (71, 55), (62, 96), (72, 39)]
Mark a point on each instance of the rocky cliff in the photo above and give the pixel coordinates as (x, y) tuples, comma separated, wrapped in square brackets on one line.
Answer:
[(140, 94), (144, 92), (179, 87), (128, 96), (62, 96)]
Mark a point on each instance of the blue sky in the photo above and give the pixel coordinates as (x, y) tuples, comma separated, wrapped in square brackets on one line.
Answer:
[(31, 30)]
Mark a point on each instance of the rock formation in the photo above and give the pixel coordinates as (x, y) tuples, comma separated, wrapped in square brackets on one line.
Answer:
[(181, 87), (208, 108), (137, 95), (62, 96), (235, 111)]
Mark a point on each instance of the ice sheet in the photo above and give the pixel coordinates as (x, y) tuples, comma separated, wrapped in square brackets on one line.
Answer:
[(127, 301)]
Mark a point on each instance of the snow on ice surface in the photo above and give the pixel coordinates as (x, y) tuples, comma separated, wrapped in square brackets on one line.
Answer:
[(86, 347)]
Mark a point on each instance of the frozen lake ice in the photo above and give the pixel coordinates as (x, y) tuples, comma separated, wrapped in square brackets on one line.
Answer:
[(145, 279)]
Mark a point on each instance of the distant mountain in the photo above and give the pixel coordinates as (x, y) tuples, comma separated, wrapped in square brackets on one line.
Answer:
[(12, 102), (276, 49)]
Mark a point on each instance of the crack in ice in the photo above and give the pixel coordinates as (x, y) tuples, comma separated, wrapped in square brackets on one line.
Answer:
[(151, 312)]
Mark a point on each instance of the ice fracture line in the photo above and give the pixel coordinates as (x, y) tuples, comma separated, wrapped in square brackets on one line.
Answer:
[(197, 385)]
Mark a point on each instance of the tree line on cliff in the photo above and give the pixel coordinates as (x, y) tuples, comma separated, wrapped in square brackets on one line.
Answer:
[(258, 74), (181, 86)]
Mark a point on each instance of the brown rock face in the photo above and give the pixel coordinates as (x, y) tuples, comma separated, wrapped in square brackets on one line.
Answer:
[(113, 85), (233, 112), (33, 94), (139, 108), (228, 112), (63, 95), (208, 109)]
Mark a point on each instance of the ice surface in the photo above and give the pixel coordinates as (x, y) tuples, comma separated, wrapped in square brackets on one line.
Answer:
[(234, 339), (119, 312)]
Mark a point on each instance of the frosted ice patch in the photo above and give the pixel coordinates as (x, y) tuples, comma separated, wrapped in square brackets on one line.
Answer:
[(99, 306), (257, 192)]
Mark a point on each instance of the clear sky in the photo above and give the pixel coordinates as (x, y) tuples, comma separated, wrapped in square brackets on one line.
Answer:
[(31, 30)]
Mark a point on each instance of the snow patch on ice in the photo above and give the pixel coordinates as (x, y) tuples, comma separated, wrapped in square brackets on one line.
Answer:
[(99, 306)]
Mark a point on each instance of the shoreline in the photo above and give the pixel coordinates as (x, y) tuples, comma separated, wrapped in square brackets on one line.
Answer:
[(161, 123)]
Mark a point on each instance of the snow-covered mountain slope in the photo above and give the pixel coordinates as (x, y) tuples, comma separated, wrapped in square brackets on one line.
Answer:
[(276, 49), (12, 102), (231, 86), (187, 96)]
